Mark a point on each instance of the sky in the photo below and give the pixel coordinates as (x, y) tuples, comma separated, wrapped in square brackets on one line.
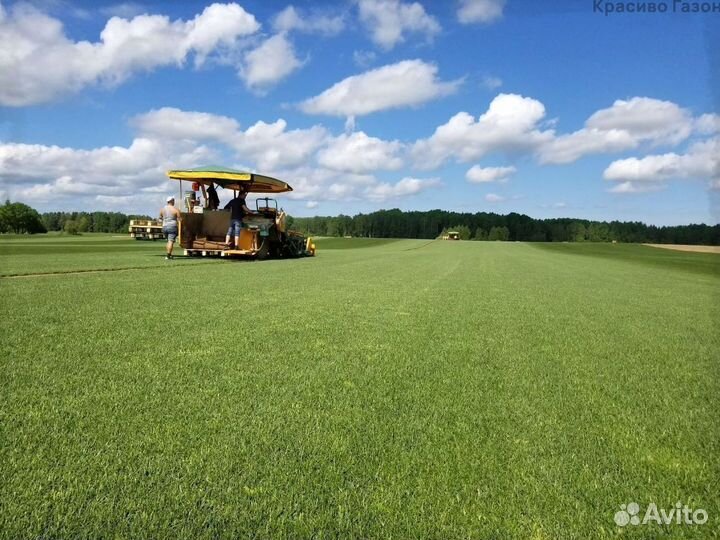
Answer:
[(568, 108)]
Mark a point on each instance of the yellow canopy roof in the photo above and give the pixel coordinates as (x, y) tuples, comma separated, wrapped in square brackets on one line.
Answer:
[(231, 179)]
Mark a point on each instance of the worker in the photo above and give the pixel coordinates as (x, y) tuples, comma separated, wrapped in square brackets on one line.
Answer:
[(170, 217), (213, 201), (238, 210)]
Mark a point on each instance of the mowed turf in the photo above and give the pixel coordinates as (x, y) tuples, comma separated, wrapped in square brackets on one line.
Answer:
[(20, 255), (407, 389)]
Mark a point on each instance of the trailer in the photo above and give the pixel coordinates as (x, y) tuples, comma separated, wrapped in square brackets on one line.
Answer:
[(145, 229)]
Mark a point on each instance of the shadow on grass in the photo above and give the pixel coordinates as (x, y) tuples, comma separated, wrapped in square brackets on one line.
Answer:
[(701, 263)]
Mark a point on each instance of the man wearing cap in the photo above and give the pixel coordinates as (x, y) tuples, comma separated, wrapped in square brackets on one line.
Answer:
[(170, 217)]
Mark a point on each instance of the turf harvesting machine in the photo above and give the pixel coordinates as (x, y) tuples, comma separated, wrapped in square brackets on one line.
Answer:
[(264, 233)]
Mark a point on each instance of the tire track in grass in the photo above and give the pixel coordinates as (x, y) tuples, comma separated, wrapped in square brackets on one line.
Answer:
[(89, 271), (421, 246)]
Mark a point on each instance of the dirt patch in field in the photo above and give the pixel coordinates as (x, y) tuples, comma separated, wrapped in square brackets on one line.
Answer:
[(686, 247)]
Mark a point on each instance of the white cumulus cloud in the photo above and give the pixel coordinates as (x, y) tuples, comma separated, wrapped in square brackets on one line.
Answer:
[(293, 19), (494, 198), (132, 179), (127, 10), (701, 161), (510, 124), (405, 84), (635, 187), (40, 63), (172, 123), (571, 147), (480, 11), (645, 118), (623, 126), (363, 59), (360, 153), (272, 61), (491, 83), (479, 175), (103, 164), (272, 145), (312, 183), (389, 20), (405, 187), (708, 124), (268, 145), (53, 175)]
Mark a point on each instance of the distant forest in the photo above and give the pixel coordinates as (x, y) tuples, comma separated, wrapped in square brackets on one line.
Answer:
[(512, 227), (479, 226), (107, 222), (17, 217)]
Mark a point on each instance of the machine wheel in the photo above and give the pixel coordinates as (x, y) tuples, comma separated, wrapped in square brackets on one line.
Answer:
[(275, 250), (264, 250), (290, 249)]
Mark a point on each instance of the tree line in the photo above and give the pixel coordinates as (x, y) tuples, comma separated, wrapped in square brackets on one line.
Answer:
[(20, 218), (80, 222), (510, 227)]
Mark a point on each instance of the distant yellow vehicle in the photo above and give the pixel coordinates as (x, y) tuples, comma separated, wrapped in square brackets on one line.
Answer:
[(145, 229), (451, 235), (264, 232)]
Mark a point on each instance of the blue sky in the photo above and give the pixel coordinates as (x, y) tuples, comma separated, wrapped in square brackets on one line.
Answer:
[(544, 108)]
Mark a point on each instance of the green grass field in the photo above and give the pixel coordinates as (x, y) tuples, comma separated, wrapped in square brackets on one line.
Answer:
[(384, 389)]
